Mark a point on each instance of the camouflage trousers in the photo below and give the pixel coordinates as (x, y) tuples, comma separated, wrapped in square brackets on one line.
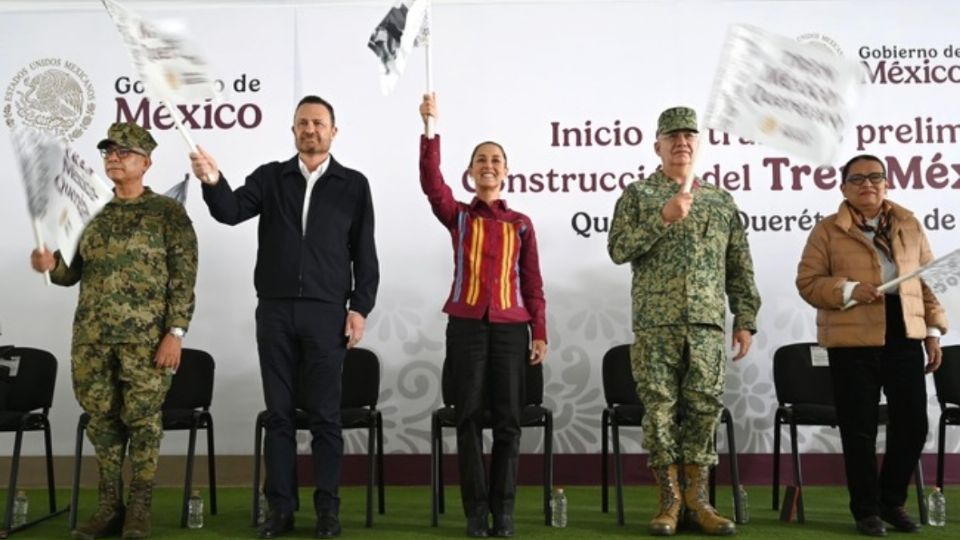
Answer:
[(679, 372), (122, 391)]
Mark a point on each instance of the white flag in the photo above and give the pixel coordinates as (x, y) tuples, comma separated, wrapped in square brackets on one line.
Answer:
[(404, 27), (171, 70), (943, 278), (63, 193), (781, 93)]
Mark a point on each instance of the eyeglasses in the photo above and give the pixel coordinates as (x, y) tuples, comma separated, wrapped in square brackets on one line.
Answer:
[(874, 178), (120, 151)]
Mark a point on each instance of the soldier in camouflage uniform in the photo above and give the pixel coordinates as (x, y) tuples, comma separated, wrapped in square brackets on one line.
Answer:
[(687, 251), (136, 265)]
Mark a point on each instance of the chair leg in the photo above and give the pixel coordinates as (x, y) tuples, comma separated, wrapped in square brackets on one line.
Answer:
[(775, 487), (617, 469), (48, 448), (435, 458), (77, 460), (371, 466), (188, 481), (380, 480), (257, 452), (734, 468), (797, 473), (941, 444), (921, 501), (212, 466), (547, 468), (604, 466), (12, 488)]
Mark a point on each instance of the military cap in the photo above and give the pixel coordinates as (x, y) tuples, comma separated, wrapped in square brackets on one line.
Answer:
[(677, 119), (128, 135)]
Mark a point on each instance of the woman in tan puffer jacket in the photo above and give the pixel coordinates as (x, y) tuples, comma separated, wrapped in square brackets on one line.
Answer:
[(878, 344)]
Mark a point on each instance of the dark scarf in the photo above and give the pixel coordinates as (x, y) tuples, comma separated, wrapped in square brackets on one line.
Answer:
[(881, 233)]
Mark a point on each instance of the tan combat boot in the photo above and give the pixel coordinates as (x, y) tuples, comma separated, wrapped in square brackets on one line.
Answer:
[(137, 523), (669, 501), (108, 519), (698, 505)]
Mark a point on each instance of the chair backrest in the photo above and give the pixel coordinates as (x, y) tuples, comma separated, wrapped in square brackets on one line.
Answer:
[(533, 384), (32, 387), (4, 386), (192, 386), (360, 383), (619, 387), (947, 377), (797, 380)]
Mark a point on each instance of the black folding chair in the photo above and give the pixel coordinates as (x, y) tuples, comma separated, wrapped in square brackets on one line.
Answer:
[(533, 414), (358, 410), (27, 384), (947, 381), (186, 407), (805, 396), (624, 409)]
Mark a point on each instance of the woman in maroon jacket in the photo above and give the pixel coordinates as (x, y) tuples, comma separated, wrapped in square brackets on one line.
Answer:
[(496, 301)]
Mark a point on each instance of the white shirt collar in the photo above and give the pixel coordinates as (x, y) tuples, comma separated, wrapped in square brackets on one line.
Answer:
[(317, 172)]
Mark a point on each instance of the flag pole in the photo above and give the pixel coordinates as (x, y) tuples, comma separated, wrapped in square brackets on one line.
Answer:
[(431, 121), (175, 114), (38, 237), (898, 280)]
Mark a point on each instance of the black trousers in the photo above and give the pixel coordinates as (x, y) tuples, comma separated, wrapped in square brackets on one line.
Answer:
[(489, 366), (859, 374), (302, 347)]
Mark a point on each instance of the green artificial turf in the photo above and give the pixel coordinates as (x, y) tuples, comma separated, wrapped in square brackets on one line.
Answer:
[(408, 515)]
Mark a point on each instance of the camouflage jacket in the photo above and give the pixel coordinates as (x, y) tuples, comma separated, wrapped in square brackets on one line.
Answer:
[(137, 265), (682, 271)]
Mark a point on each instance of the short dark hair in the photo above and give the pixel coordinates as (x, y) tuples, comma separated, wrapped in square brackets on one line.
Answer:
[(861, 157), (317, 100), (477, 147)]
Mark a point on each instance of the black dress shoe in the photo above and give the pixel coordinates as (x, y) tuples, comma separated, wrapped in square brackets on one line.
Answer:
[(871, 526), (276, 524), (477, 526), (502, 526), (898, 517), (328, 525)]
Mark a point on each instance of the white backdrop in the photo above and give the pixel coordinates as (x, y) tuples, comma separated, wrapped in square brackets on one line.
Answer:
[(520, 73)]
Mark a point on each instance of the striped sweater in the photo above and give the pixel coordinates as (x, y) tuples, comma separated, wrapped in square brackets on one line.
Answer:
[(496, 265)]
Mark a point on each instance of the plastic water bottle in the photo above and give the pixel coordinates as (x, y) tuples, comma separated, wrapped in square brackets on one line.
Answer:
[(558, 508), (21, 508), (262, 508), (195, 510), (744, 509), (937, 506)]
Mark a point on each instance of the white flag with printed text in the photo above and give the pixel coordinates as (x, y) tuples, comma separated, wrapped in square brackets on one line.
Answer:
[(63, 193), (781, 93), (943, 278), (169, 66)]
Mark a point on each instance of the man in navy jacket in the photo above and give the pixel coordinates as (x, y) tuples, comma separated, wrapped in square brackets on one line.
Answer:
[(316, 279)]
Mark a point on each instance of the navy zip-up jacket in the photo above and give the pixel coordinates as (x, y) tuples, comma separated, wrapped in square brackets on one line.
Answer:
[(334, 261)]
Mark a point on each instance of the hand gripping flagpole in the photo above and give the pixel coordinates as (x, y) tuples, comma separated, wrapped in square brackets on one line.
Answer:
[(910, 275), (175, 114), (431, 121), (38, 237)]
